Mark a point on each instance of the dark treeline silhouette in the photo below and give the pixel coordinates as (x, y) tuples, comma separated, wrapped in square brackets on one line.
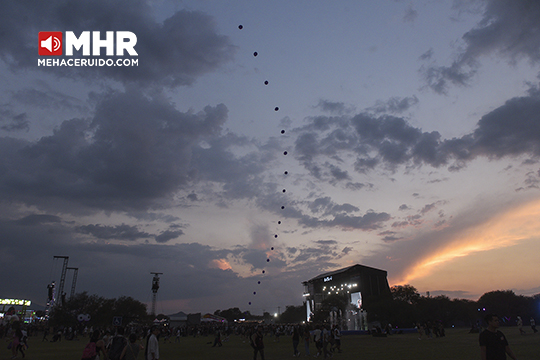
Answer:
[(404, 308), (100, 311), (407, 307)]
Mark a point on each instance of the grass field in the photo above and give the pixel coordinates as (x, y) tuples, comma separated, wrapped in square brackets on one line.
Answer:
[(457, 345)]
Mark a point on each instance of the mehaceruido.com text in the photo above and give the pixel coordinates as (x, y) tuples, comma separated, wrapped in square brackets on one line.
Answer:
[(88, 62)]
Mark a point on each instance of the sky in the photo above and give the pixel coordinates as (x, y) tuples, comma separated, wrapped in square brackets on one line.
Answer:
[(258, 144)]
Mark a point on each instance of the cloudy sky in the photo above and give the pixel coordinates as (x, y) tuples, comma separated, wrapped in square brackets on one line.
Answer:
[(402, 135)]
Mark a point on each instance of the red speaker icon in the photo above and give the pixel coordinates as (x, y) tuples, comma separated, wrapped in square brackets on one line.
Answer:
[(50, 43)]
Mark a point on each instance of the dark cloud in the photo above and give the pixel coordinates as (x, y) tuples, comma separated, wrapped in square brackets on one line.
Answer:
[(512, 129), (389, 236), (394, 105), (11, 121), (337, 173), (428, 208), (358, 186), (412, 220), (134, 151), (410, 14), (439, 78), (347, 250), (326, 206), (338, 108), (37, 219), (173, 52), (102, 264), (49, 99), (117, 232), (369, 221), (532, 180), (326, 242), (400, 224), (323, 253), (427, 55), (169, 235), (508, 28)]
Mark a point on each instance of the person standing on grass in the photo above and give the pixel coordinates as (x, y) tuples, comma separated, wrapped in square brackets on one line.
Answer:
[(337, 338), (533, 325), (94, 347), (257, 343), (295, 341), (131, 351), (16, 342), (493, 343), (307, 340), (520, 326), (317, 339), (420, 330), (152, 345), (118, 343)]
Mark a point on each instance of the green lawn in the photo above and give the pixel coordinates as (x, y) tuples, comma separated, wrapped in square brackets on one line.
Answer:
[(457, 345)]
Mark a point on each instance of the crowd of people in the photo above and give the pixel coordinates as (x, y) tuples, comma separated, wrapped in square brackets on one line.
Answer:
[(324, 340), (430, 329)]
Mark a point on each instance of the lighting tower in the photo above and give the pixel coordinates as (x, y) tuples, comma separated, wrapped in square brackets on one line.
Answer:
[(63, 277), (74, 282), (155, 288)]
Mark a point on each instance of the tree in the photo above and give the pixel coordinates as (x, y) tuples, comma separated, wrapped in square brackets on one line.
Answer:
[(101, 310), (506, 304), (385, 309), (232, 314), (293, 314), (406, 293)]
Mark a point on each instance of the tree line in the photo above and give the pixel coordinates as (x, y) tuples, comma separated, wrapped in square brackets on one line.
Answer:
[(406, 306), (95, 310), (403, 307)]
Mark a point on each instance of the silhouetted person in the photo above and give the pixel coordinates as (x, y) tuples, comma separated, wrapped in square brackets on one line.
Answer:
[(258, 345), (131, 351), (493, 343), (295, 341), (217, 339), (533, 325), (520, 326)]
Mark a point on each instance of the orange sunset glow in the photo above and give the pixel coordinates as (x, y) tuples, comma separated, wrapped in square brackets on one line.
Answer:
[(504, 238)]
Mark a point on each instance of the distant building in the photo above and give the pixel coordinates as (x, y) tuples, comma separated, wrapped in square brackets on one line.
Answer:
[(358, 281)]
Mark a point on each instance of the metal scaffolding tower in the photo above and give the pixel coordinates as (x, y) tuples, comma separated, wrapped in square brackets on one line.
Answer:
[(74, 282), (63, 277), (155, 288)]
